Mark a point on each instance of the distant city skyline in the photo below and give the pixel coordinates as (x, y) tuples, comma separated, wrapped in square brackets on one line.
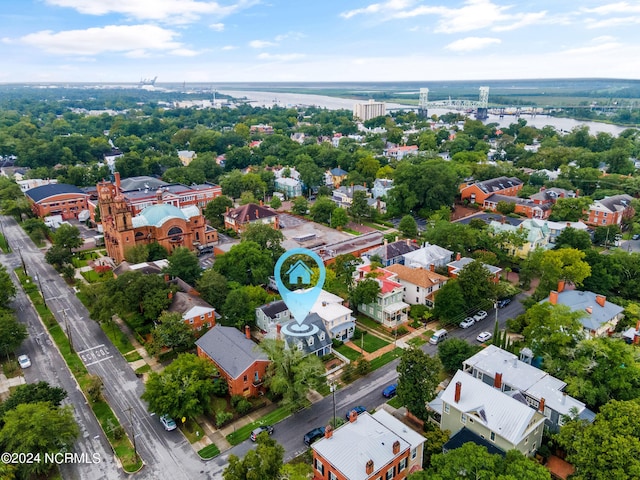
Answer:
[(313, 41)]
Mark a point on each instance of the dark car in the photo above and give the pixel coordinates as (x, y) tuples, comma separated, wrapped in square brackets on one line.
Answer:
[(390, 391), (259, 430), (504, 302), (359, 409), (636, 236), (313, 435)]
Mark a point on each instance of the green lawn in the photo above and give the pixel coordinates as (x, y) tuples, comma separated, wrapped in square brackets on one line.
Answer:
[(373, 343), (395, 402), (417, 341), (209, 451), (348, 352), (92, 277), (385, 358), (191, 429), (120, 340)]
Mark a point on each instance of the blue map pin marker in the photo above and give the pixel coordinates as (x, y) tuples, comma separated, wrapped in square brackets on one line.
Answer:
[(300, 301)]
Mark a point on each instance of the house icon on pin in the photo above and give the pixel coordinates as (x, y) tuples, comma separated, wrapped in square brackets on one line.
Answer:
[(299, 273)]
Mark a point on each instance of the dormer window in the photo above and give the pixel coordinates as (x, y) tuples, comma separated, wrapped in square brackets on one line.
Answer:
[(310, 341), (300, 346), (321, 335)]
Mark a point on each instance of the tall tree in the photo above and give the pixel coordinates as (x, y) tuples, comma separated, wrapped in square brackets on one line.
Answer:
[(172, 332), (263, 463), (183, 389), (12, 333), (359, 208), (570, 209), (365, 292), (137, 254), (454, 351), (450, 303), (408, 226), (418, 378), (213, 288), (552, 330), (338, 218), (37, 429), (183, 263), (267, 237), (563, 264), (476, 281), (290, 373), (607, 448), (299, 206), (246, 263), (7, 287), (32, 393), (322, 210), (68, 237)]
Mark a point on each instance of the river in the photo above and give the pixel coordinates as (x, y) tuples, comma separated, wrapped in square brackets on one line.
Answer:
[(269, 99)]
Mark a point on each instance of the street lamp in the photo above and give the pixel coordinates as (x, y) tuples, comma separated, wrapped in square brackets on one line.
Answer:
[(333, 387), (133, 432), (66, 326)]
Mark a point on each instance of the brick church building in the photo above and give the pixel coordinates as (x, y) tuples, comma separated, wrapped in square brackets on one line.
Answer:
[(170, 226)]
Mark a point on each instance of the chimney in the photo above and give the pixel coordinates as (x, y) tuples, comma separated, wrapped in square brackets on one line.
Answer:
[(396, 447), (432, 267), (353, 416), (170, 295), (324, 303), (328, 431), (553, 297), (166, 277), (497, 382), (561, 284), (369, 467), (257, 213), (397, 238), (278, 328), (386, 242), (589, 310), (261, 203), (636, 339), (226, 210), (600, 300), (456, 398), (247, 332), (564, 397), (408, 242), (159, 196), (458, 257), (638, 326), (541, 406), (117, 177)]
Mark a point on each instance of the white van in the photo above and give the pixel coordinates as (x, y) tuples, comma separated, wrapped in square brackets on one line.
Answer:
[(438, 337)]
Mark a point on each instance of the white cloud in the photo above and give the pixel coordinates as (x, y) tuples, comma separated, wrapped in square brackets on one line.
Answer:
[(171, 11), (472, 15), (261, 44), (218, 27), (619, 7), (391, 5), (229, 47), (184, 52), (281, 57), (470, 44), (613, 22), (112, 38), (596, 45)]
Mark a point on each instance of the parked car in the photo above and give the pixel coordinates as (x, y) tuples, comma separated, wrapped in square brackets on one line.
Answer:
[(635, 236), (359, 409), (504, 302), (484, 336), (24, 361), (467, 322), (168, 423), (390, 391), (481, 315), (259, 430), (313, 435)]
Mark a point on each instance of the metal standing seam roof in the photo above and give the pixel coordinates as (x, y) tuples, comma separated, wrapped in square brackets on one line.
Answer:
[(464, 261), (428, 255), (230, 349), (500, 413), (42, 192), (353, 444)]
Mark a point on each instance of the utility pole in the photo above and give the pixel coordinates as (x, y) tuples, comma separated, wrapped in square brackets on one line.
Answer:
[(24, 267), (133, 432), (66, 326)]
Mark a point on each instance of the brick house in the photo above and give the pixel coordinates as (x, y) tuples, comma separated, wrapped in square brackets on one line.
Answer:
[(478, 192), (238, 359), (195, 312), (456, 266), (57, 199), (368, 447), (237, 219), (610, 211)]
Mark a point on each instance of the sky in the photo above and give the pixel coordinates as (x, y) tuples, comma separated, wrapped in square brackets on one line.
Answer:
[(317, 40)]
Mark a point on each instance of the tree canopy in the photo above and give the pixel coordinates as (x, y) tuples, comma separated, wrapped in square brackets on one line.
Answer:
[(182, 389), (183, 263), (263, 463), (418, 377), (246, 263)]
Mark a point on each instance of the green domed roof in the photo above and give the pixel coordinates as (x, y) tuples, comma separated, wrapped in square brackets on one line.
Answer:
[(157, 215)]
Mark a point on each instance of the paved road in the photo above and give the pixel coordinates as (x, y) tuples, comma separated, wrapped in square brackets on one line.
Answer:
[(167, 455)]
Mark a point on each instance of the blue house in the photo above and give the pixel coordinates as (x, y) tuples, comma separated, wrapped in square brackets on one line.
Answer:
[(299, 273)]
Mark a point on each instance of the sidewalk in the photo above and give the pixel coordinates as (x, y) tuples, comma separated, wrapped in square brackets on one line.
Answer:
[(146, 359), (399, 343)]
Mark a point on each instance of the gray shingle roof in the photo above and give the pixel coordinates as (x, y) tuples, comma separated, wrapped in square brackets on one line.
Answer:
[(581, 300), (311, 343), (616, 202), (230, 349), (497, 184), (394, 249)]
